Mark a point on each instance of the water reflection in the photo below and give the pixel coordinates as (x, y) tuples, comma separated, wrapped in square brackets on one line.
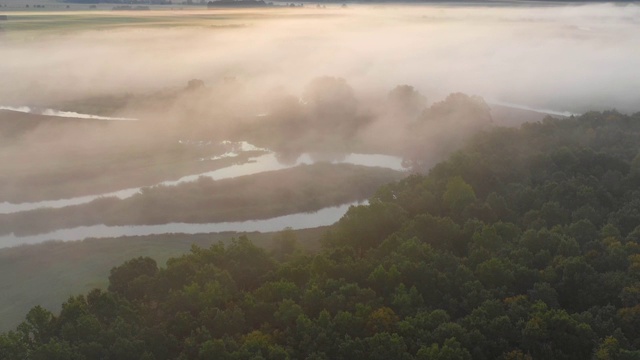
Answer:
[(258, 164), (323, 217), (61, 113)]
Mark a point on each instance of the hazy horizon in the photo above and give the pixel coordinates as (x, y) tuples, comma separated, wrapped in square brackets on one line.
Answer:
[(574, 57)]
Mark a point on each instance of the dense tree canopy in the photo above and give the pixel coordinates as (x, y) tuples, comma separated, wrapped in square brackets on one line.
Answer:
[(524, 245)]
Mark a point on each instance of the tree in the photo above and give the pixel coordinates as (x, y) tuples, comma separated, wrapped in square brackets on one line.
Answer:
[(458, 195), (133, 279), (635, 166), (366, 226), (285, 244), (195, 84), (450, 350), (332, 108), (406, 102), (330, 98), (38, 326)]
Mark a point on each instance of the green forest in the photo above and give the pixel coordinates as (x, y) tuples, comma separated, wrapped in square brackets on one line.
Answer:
[(524, 244)]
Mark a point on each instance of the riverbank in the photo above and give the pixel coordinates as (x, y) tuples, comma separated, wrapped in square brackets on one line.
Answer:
[(298, 190)]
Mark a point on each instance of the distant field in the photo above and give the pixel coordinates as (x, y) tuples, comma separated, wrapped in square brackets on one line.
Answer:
[(101, 19), (56, 17)]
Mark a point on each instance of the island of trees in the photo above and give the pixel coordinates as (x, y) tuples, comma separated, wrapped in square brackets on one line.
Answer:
[(525, 244)]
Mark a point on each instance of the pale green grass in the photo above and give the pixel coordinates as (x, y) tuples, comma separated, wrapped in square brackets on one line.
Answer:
[(48, 22), (71, 21)]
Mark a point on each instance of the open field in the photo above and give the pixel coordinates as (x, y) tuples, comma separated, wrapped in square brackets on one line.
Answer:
[(51, 21), (57, 18)]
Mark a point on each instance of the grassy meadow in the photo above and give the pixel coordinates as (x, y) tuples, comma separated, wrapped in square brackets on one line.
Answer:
[(56, 18)]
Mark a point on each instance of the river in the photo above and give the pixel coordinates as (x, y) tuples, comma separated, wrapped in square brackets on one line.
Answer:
[(258, 164), (323, 217), (61, 113)]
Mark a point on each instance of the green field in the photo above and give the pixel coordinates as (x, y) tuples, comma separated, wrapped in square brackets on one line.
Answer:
[(79, 17), (95, 20)]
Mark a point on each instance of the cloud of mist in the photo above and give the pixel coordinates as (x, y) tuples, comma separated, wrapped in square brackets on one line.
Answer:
[(566, 58), (330, 81)]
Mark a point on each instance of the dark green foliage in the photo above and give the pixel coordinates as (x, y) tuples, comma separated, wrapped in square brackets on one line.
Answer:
[(525, 245), (131, 280)]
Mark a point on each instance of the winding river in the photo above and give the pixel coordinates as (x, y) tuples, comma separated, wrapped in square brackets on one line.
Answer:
[(262, 163), (257, 164), (61, 113), (323, 217)]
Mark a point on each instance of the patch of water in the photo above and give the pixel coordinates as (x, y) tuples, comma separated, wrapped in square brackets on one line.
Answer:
[(256, 165), (60, 113), (323, 217), (542, 111)]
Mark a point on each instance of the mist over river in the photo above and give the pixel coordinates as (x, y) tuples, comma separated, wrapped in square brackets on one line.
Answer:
[(322, 80)]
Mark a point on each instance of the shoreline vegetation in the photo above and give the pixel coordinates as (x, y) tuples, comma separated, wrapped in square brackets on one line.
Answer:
[(305, 188)]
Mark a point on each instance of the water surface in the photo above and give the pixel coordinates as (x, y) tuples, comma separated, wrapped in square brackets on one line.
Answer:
[(256, 165), (323, 217)]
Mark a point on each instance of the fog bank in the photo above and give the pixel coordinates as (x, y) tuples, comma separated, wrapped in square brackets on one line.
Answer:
[(565, 58)]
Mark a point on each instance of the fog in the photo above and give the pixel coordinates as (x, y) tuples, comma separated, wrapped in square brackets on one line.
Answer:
[(194, 121), (58, 113), (564, 58), (406, 80)]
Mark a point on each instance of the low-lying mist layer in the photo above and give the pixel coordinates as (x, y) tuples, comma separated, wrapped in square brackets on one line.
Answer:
[(385, 79), (47, 159), (567, 58)]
